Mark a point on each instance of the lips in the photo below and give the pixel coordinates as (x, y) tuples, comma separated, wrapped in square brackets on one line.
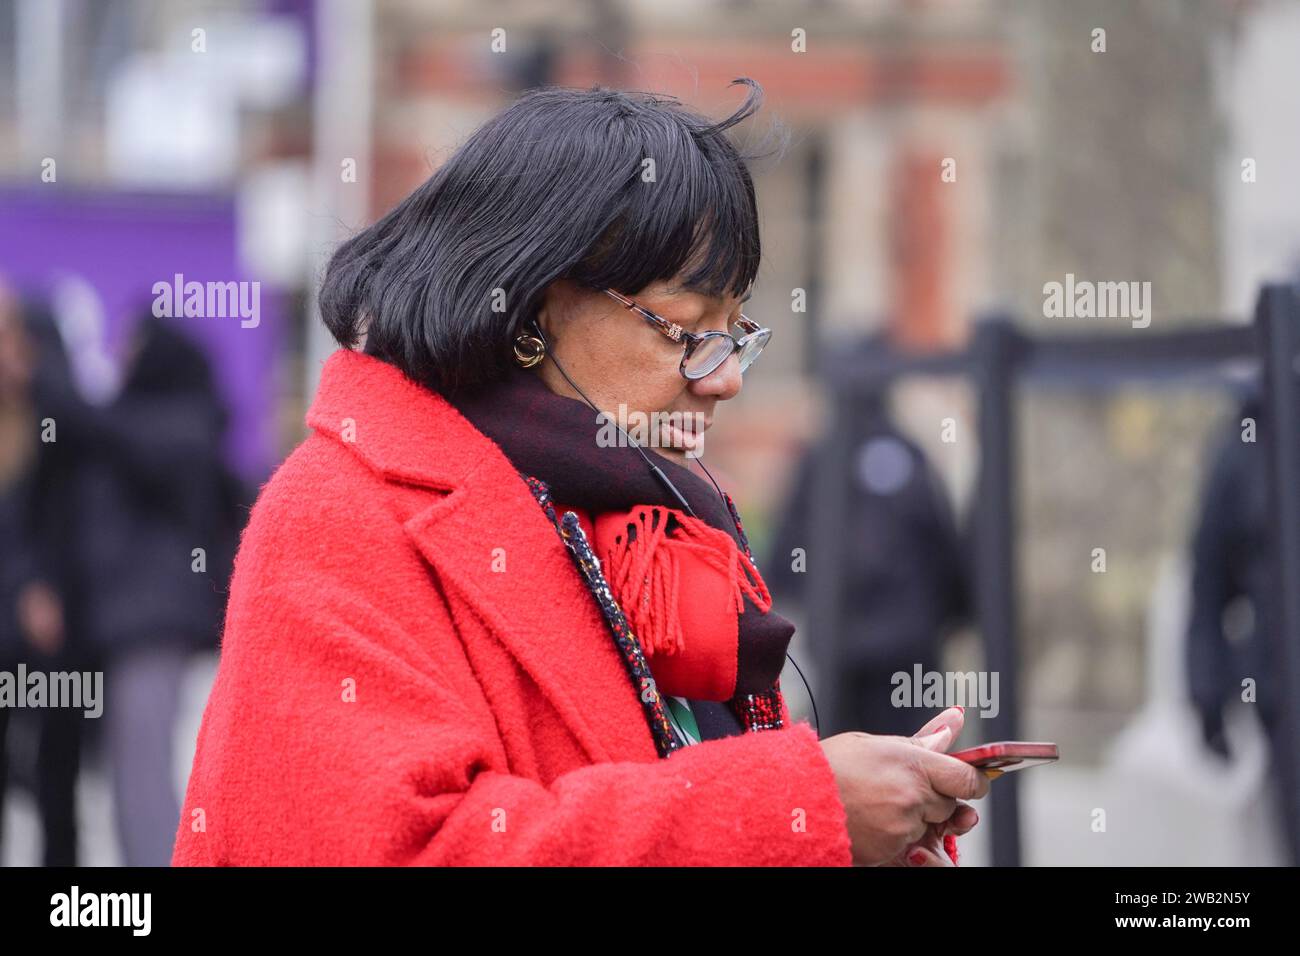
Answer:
[(677, 438)]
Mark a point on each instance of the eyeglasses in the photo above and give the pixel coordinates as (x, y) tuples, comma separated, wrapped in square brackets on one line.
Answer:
[(705, 352)]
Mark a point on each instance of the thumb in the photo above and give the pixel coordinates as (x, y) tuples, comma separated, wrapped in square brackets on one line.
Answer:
[(937, 741)]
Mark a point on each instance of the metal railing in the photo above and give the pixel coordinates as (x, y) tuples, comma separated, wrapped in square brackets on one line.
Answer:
[(1001, 357)]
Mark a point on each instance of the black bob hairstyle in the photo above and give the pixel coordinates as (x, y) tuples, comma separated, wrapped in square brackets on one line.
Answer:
[(555, 186)]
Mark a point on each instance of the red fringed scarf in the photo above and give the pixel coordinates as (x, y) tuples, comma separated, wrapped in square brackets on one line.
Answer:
[(644, 567), (686, 585), (675, 576)]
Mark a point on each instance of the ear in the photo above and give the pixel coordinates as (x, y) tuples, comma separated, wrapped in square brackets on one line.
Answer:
[(557, 301)]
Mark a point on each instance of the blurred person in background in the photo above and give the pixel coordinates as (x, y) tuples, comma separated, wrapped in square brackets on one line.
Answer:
[(1236, 592), (905, 579), (34, 528), (153, 537), (470, 626)]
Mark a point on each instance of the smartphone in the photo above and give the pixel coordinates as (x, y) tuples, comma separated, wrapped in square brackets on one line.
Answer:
[(996, 759)]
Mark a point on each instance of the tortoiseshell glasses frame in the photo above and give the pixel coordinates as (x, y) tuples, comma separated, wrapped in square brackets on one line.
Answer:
[(704, 352)]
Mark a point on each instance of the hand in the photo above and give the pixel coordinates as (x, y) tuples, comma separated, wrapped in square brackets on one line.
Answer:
[(895, 788), (40, 615), (929, 850)]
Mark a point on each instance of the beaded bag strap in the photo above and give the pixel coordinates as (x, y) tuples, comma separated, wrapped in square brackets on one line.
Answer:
[(575, 541), (760, 711)]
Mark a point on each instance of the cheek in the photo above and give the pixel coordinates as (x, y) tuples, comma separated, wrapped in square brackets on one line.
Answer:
[(643, 375), (662, 396), (658, 383)]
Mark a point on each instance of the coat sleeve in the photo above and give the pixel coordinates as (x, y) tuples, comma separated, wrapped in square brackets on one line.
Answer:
[(332, 736)]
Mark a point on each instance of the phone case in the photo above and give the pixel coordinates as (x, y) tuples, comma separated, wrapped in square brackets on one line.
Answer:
[(998, 758)]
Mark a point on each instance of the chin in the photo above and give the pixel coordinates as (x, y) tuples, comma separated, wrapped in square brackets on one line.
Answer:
[(676, 455)]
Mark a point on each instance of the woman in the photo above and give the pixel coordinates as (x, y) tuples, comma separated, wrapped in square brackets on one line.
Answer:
[(35, 522), (154, 495), (466, 626)]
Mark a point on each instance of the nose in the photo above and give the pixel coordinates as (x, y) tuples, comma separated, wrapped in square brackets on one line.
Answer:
[(723, 382)]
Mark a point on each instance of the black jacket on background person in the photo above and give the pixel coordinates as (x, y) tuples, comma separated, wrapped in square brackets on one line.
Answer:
[(1234, 568), (17, 568), (150, 487), (37, 522), (1233, 563), (905, 578)]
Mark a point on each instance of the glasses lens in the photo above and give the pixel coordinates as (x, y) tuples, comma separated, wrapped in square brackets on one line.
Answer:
[(751, 345), (708, 355)]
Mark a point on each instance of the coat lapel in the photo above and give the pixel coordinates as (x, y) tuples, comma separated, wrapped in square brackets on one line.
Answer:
[(549, 623)]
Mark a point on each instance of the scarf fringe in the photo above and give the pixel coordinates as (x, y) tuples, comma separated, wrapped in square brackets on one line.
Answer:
[(756, 712), (644, 566)]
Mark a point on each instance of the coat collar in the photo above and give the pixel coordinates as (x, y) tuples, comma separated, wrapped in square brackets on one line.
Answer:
[(401, 429), (411, 435)]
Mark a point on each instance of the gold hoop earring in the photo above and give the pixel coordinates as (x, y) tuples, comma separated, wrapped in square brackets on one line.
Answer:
[(529, 350)]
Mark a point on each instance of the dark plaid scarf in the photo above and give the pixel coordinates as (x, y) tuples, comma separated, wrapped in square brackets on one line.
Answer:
[(552, 440)]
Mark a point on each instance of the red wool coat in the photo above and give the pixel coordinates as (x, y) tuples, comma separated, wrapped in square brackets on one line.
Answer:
[(413, 672)]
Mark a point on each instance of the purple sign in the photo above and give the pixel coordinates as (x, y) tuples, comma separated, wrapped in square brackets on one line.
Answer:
[(126, 248)]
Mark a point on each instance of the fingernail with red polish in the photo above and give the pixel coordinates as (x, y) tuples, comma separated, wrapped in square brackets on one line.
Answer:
[(916, 858)]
